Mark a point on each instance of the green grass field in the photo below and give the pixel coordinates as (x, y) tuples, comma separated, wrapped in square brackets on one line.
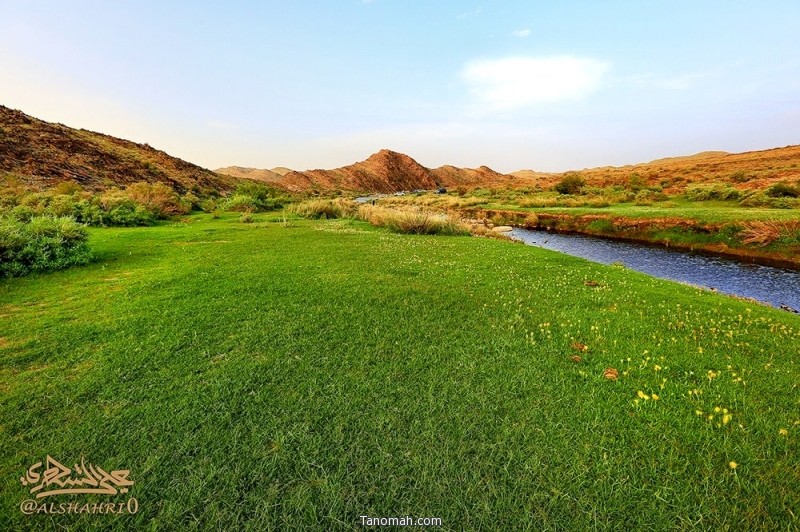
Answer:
[(273, 376), (701, 211)]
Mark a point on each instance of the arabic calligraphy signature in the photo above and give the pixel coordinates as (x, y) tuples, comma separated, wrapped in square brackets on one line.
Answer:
[(58, 479)]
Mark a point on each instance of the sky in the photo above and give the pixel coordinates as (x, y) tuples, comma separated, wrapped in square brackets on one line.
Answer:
[(543, 85)]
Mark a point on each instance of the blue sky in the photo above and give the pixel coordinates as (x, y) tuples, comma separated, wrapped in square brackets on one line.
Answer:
[(318, 84)]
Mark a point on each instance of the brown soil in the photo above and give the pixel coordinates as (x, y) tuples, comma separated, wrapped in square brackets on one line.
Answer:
[(42, 154)]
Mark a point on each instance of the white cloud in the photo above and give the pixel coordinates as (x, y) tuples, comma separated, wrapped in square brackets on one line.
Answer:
[(517, 82), (521, 33)]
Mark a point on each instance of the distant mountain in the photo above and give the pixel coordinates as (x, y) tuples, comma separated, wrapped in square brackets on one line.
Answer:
[(43, 154), (249, 173), (281, 170), (389, 171)]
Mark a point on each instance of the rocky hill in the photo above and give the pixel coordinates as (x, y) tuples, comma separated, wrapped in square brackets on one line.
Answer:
[(389, 171), (42, 154), (268, 176)]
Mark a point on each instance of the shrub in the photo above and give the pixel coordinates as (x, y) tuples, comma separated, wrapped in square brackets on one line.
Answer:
[(740, 176), (646, 197), (338, 208), (571, 183), (190, 201), (599, 202), (254, 197), (36, 200), (67, 188), (89, 212), (636, 182), (760, 199), (246, 218), (716, 191), (784, 203), (241, 203), (539, 202), (61, 205), (42, 244), (22, 213), (209, 205), (754, 199), (783, 190), (157, 198), (128, 214)]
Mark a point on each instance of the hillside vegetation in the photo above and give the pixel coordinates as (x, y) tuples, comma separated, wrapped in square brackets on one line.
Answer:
[(743, 171)]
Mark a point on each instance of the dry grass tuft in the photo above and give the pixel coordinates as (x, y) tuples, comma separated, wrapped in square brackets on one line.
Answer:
[(764, 233), (337, 208), (412, 220)]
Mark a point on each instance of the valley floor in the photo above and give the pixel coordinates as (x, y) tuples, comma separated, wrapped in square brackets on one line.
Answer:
[(301, 374)]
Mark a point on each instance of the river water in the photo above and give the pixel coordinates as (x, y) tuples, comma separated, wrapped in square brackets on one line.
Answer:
[(776, 286)]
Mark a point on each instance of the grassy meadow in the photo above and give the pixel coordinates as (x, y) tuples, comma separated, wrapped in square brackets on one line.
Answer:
[(294, 374)]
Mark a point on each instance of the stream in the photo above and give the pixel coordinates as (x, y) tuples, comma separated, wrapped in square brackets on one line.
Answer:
[(776, 286)]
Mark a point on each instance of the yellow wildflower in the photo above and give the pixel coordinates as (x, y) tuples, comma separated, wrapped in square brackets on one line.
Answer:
[(783, 432), (643, 395), (732, 464)]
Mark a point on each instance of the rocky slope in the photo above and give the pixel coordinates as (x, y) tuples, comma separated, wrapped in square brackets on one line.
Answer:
[(42, 154), (389, 171)]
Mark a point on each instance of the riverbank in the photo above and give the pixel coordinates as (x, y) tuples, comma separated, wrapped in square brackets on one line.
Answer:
[(302, 373), (764, 284), (771, 243)]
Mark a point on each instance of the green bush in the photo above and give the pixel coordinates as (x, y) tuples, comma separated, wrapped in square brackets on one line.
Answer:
[(89, 212), (42, 244), (209, 205), (783, 190), (254, 197), (570, 184), (61, 205), (242, 203), (715, 191), (128, 214), (636, 182), (22, 213), (761, 199)]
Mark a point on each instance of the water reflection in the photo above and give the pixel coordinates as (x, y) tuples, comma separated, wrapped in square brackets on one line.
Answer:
[(776, 286)]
